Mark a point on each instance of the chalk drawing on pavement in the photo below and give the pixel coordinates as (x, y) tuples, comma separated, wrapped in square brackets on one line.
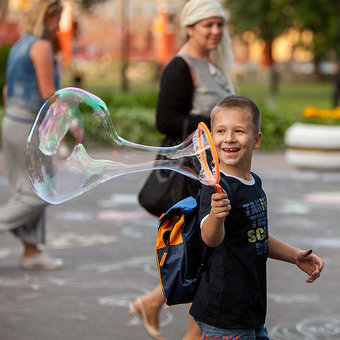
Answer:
[(3, 181), (68, 240), (294, 207), (117, 200), (290, 299), (326, 197), (326, 327), (132, 262), (111, 215), (120, 215), (38, 283)]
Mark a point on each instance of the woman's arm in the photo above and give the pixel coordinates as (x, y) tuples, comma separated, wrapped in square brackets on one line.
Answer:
[(42, 56), (4, 93), (304, 259)]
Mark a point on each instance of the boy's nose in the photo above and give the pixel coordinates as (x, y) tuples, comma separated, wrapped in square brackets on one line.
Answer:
[(229, 137)]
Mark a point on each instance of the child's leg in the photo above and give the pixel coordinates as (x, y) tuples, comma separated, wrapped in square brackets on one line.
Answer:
[(152, 304), (193, 331)]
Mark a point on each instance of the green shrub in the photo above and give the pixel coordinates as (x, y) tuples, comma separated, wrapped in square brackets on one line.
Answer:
[(116, 99), (273, 127), (136, 124), (147, 100), (133, 116), (321, 121), (133, 113), (4, 51)]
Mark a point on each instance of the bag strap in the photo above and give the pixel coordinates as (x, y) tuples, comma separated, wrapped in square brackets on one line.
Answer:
[(256, 178), (225, 185), (192, 72)]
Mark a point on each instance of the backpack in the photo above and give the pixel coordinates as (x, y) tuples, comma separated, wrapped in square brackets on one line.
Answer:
[(180, 251)]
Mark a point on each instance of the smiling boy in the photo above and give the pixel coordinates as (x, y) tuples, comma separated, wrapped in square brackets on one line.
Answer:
[(231, 300)]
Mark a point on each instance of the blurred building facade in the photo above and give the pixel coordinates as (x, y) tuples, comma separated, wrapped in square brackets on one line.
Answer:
[(140, 30)]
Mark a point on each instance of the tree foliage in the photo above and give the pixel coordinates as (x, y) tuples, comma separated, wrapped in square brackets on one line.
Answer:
[(267, 19), (270, 18), (322, 18)]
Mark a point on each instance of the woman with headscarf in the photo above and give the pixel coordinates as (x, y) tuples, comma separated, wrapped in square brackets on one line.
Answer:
[(31, 77), (192, 83)]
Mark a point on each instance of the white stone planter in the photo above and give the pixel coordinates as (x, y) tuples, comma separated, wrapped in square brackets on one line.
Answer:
[(313, 146)]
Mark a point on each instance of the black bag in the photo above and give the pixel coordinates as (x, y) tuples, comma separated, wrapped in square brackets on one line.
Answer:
[(164, 188)]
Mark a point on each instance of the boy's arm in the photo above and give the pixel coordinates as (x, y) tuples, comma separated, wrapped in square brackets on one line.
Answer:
[(212, 230), (304, 259)]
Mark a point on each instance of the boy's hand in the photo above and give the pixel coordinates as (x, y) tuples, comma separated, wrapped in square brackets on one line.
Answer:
[(220, 205), (310, 264)]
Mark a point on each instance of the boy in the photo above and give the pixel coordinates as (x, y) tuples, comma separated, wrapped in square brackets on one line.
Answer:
[(231, 300)]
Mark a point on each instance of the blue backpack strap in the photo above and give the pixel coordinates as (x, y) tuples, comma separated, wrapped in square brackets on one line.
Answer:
[(186, 205), (256, 178), (225, 185)]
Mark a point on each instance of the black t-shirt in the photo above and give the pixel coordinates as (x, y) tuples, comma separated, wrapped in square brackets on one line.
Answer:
[(232, 291)]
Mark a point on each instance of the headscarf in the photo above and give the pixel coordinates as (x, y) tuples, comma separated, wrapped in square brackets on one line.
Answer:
[(197, 10)]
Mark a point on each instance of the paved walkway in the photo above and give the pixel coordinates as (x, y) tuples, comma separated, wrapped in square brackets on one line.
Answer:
[(107, 242)]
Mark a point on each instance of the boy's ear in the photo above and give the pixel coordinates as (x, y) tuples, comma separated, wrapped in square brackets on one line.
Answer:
[(257, 141)]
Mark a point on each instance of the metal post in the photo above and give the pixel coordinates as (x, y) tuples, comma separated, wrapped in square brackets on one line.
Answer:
[(124, 45)]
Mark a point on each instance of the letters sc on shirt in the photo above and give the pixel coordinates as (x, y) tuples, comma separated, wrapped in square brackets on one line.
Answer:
[(258, 234)]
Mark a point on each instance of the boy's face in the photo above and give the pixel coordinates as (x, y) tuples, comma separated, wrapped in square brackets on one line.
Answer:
[(235, 139)]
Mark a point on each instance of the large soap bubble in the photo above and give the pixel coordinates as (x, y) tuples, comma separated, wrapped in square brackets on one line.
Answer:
[(66, 114)]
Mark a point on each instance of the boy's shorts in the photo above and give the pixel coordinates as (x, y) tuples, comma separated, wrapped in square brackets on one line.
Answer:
[(215, 333)]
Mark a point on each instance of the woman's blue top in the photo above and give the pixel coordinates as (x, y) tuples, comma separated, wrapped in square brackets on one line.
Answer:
[(21, 78)]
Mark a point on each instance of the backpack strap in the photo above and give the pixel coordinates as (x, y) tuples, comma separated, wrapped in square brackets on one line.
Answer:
[(192, 72), (225, 185), (256, 178), (186, 206)]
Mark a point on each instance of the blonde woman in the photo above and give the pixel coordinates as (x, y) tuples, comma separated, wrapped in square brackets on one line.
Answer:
[(193, 82), (31, 77)]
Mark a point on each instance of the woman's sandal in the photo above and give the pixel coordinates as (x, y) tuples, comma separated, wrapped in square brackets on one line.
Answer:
[(153, 332)]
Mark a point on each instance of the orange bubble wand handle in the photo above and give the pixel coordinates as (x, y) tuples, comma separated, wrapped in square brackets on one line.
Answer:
[(216, 175), (218, 188)]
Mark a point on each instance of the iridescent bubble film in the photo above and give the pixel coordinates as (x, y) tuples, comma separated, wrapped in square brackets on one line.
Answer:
[(61, 157)]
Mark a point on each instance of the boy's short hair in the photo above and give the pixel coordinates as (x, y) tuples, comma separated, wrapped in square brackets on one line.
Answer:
[(239, 101)]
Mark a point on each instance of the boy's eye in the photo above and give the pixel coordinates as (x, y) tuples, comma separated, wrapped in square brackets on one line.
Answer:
[(240, 131)]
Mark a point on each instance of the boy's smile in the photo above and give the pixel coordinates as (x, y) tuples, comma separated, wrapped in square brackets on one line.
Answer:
[(235, 139)]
